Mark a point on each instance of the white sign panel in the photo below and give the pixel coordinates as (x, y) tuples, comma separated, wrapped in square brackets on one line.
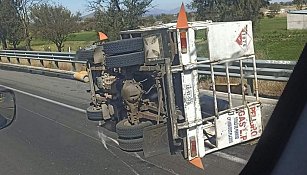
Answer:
[(239, 126), (230, 40)]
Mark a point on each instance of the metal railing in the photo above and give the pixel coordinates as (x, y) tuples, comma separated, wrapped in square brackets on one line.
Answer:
[(271, 70), (38, 60)]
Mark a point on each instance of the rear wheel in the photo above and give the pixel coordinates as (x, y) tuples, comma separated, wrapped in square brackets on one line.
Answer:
[(125, 130), (131, 144), (94, 114)]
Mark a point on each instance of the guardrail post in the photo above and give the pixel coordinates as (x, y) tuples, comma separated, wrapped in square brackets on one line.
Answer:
[(73, 66), (250, 84), (29, 61), (57, 64), (42, 62)]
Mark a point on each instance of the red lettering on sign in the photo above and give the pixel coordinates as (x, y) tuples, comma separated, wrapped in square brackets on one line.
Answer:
[(253, 126), (242, 137), (254, 133), (253, 111), (242, 122), (253, 129), (241, 113)]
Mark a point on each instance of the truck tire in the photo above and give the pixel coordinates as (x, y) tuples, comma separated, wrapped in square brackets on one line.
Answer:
[(125, 60), (123, 46), (94, 114), (131, 144), (125, 130)]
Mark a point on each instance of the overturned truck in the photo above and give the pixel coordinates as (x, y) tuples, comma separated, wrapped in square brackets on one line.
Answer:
[(148, 83)]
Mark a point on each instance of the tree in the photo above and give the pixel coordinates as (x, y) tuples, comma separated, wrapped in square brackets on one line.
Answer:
[(9, 22), (228, 10), (5, 9), (148, 21), (23, 7), (88, 24), (16, 34), (299, 4), (112, 16), (165, 18), (274, 10), (133, 10), (53, 23)]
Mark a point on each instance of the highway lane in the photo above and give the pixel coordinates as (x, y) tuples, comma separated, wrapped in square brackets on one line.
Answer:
[(64, 90), (50, 139), (54, 139)]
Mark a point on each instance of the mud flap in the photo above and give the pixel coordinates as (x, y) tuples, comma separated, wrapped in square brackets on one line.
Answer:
[(155, 140)]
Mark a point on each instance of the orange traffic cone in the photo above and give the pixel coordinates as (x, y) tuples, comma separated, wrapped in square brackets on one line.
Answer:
[(197, 162), (102, 36), (182, 22)]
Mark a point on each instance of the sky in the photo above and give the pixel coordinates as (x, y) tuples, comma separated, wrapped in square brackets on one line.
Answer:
[(81, 5)]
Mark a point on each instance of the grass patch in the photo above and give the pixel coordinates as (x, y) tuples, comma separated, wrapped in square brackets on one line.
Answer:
[(83, 36), (74, 42), (274, 41), (74, 46)]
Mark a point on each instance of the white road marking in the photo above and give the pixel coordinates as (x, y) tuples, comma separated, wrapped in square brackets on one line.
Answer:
[(113, 140), (46, 99), (103, 138), (129, 166), (230, 157), (100, 134)]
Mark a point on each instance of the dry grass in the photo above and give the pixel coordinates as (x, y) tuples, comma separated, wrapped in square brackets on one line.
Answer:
[(24, 62), (80, 67), (36, 63), (65, 66), (49, 64), (14, 60), (270, 89), (205, 83)]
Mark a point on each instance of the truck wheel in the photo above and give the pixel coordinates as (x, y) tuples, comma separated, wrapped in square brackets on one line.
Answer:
[(94, 114), (131, 144), (125, 130), (123, 46), (125, 60)]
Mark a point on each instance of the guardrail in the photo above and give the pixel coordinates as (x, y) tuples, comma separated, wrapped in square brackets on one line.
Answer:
[(271, 70), (45, 60)]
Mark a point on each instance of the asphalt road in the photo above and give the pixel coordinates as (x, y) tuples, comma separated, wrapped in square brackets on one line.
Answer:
[(51, 138)]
